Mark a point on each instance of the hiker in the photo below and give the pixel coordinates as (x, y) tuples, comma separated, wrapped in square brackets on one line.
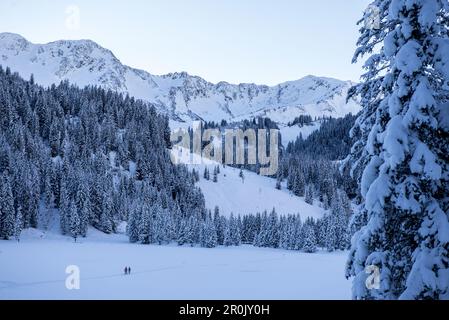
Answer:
[(126, 270), (129, 270)]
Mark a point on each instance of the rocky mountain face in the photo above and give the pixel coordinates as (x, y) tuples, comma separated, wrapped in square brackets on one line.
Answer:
[(182, 96)]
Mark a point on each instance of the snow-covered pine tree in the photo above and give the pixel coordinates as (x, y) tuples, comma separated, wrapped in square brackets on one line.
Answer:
[(325, 201), (195, 175), (83, 206), (48, 191), (145, 226), (296, 241), (341, 220), (322, 232), (299, 184), (97, 197), (132, 228), (273, 230), (7, 212), (260, 240), (227, 237), (242, 175), (291, 177), (18, 223), (308, 194), (183, 232), (400, 157), (284, 235), (74, 136), (105, 224), (291, 231), (32, 195), (215, 178), (172, 225), (161, 225), (64, 203), (193, 231), (309, 244), (331, 233), (74, 221), (206, 174), (208, 236)]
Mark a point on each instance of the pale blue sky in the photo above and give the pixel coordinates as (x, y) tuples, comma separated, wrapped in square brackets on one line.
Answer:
[(261, 41)]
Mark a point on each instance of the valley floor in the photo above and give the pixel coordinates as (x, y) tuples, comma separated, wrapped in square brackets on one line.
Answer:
[(35, 268)]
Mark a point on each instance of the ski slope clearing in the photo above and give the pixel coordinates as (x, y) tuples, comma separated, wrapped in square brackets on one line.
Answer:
[(252, 194), (290, 134), (35, 268)]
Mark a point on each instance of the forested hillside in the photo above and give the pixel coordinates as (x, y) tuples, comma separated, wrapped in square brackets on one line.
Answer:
[(96, 155)]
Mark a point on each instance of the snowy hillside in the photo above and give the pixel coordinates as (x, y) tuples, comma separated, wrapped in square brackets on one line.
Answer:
[(182, 96), (290, 133), (252, 194)]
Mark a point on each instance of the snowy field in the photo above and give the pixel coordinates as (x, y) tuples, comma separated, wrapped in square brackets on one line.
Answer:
[(35, 269)]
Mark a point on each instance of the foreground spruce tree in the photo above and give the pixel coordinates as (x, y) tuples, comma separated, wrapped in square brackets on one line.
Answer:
[(401, 157)]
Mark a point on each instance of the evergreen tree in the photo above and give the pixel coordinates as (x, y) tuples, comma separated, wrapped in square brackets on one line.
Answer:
[(298, 187), (161, 225), (206, 174), (242, 176), (232, 235), (309, 195), (105, 224), (273, 230), (7, 212), (331, 233), (183, 232), (215, 179), (132, 228), (309, 244), (208, 237), (74, 220), (193, 233), (400, 157), (66, 142), (83, 207), (322, 232), (18, 224), (145, 228), (49, 195), (284, 235), (64, 206), (219, 223)]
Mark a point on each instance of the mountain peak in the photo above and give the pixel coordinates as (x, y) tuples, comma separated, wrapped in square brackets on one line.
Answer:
[(8, 36), (182, 96)]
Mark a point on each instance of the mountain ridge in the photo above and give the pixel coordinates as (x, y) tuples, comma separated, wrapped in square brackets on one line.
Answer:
[(182, 96)]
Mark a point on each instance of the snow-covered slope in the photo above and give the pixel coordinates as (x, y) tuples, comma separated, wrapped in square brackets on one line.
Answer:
[(182, 96), (290, 133), (252, 194)]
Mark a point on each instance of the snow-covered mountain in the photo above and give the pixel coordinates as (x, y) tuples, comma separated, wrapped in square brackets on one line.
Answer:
[(182, 96)]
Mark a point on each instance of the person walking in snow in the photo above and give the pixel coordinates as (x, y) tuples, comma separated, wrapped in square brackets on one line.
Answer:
[(126, 270), (129, 270)]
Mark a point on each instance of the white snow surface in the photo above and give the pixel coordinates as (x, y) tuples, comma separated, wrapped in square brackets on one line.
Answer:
[(34, 268), (289, 134), (253, 194), (180, 95)]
